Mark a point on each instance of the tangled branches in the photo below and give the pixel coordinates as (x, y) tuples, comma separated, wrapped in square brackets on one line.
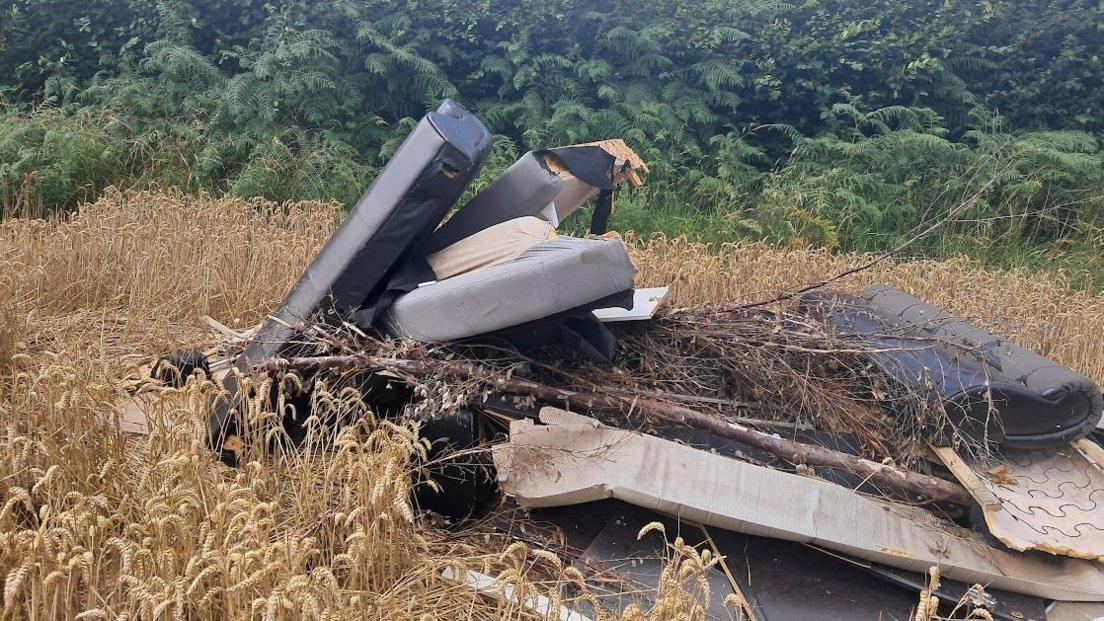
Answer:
[(789, 366), (777, 367)]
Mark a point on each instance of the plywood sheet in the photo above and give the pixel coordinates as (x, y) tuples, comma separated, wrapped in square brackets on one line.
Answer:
[(1049, 500)]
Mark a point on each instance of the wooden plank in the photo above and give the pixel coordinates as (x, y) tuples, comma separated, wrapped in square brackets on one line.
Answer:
[(967, 477), (1091, 450)]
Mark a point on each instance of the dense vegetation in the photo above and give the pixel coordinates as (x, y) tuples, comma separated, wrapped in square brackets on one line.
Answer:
[(838, 123)]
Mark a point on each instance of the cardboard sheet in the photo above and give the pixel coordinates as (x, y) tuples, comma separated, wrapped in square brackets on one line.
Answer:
[(140, 413), (135, 414), (581, 461), (147, 403), (1050, 500), (551, 277)]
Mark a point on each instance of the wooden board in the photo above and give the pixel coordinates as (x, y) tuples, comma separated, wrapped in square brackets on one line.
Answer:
[(1048, 500)]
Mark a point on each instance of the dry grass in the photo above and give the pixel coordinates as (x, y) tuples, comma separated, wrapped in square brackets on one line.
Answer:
[(147, 262), (97, 525)]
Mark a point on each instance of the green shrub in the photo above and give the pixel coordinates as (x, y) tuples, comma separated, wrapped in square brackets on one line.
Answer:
[(838, 123), (58, 159)]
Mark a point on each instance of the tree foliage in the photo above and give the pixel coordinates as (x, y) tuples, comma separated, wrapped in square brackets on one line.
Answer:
[(842, 123)]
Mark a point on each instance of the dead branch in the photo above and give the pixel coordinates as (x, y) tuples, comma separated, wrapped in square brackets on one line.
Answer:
[(914, 484)]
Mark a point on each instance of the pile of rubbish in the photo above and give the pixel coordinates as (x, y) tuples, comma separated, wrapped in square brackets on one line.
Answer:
[(831, 449)]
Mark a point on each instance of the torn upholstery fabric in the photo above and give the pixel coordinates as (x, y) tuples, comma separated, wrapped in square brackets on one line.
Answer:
[(549, 184), (577, 460), (491, 246)]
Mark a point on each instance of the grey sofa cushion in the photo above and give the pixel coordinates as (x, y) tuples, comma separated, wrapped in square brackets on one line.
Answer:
[(526, 188), (552, 277), (1038, 402), (405, 202)]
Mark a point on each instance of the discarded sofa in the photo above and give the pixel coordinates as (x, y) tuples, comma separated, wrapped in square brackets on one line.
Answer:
[(498, 269), (405, 202), (495, 269), (991, 388), (551, 277)]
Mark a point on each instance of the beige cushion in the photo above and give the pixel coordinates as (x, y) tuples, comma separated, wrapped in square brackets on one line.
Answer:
[(500, 243)]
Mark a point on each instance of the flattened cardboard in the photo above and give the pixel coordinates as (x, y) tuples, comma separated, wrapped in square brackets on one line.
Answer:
[(141, 412), (558, 465)]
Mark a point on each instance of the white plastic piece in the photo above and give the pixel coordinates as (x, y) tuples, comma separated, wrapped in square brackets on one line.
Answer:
[(645, 303), (489, 586), (549, 214)]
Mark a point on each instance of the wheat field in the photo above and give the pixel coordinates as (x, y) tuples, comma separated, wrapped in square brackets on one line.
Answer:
[(98, 525)]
